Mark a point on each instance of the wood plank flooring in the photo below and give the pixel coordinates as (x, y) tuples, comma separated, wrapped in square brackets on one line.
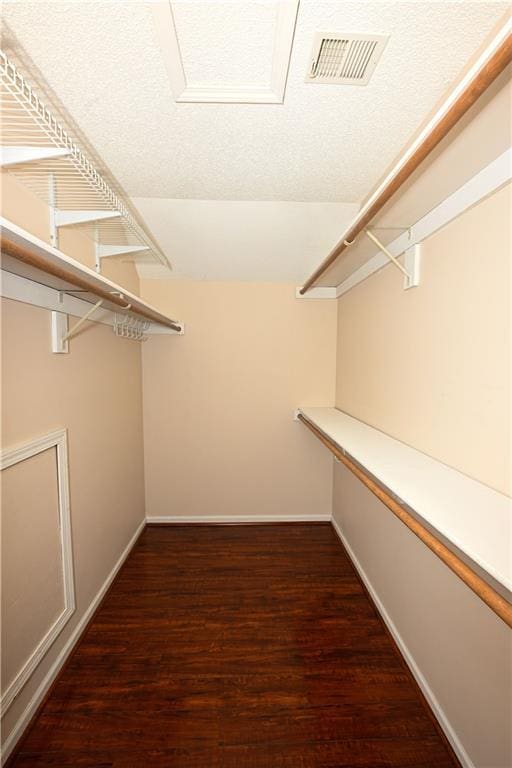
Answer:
[(236, 647)]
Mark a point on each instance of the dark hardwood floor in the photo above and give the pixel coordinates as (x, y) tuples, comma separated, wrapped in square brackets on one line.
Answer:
[(236, 647)]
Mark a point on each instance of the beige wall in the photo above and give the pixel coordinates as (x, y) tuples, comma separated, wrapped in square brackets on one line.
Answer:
[(95, 392), (219, 401), (431, 366)]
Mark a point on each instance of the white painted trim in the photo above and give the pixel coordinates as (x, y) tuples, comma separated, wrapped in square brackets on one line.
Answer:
[(59, 331), (18, 288), (237, 519), (263, 93), (28, 291), (320, 292), (484, 183), (16, 155), (218, 95), (407, 655), (283, 42), (39, 695), (8, 458), (412, 264)]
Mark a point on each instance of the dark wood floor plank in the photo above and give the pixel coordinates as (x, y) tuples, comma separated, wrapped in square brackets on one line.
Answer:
[(236, 647)]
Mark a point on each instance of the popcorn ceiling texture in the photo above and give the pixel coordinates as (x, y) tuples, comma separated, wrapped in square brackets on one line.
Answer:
[(208, 60), (326, 143)]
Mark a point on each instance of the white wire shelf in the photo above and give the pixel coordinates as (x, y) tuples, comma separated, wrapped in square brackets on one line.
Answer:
[(39, 151)]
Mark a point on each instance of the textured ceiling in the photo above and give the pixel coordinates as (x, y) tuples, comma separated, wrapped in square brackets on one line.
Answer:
[(326, 143)]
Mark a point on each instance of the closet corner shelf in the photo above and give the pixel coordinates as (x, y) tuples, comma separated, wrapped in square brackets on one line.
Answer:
[(470, 518), (35, 272)]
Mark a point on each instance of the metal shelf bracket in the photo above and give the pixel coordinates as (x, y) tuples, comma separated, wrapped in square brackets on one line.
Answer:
[(60, 333), (411, 267), (20, 155), (105, 251), (70, 218)]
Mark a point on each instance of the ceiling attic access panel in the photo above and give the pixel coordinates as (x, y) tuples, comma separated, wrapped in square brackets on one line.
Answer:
[(226, 52)]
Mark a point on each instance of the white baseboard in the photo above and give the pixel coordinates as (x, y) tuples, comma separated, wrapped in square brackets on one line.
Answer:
[(237, 519), (39, 695), (409, 659)]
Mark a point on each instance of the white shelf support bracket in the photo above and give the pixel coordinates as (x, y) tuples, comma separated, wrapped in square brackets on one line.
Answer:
[(59, 330), (412, 263), (69, 218), (60, 333), (17, 155), (104, 251), (411, 277)]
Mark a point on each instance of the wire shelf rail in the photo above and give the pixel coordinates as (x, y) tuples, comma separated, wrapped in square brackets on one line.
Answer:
[(40, 152)]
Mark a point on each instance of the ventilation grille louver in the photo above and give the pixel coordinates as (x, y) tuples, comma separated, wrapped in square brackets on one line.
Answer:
[(348, 59)]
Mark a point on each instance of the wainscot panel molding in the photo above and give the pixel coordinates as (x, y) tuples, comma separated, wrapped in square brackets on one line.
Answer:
[(15, 455), (43, 689)]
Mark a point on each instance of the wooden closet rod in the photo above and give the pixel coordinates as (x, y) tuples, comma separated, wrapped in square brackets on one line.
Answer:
[(493, 599), (27, 256), (476, 86)]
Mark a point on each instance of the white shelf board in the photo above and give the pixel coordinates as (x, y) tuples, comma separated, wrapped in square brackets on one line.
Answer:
[(468, 515), (57, 258)]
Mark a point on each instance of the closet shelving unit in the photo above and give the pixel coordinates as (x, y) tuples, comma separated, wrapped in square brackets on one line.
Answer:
[(36, 273), (397, 223), (38, 150), (441, 506)]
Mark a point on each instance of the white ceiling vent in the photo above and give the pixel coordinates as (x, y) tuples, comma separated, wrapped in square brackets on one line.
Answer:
[(344, 59)]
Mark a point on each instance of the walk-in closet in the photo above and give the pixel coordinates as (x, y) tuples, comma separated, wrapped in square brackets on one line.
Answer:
[(256, 383)]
